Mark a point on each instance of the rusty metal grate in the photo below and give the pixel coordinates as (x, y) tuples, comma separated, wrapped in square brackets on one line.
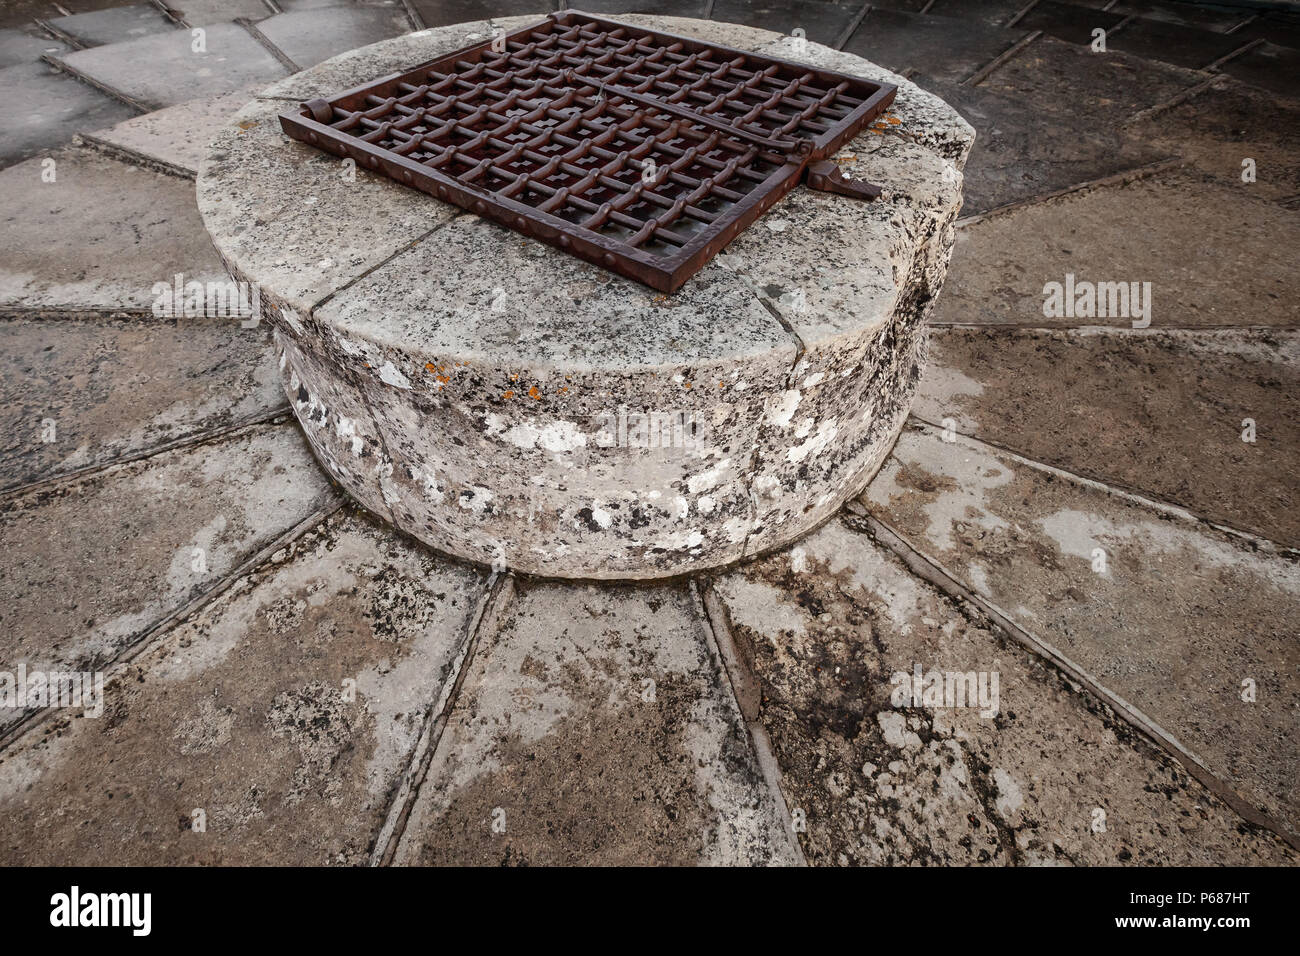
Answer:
[(640, 151)]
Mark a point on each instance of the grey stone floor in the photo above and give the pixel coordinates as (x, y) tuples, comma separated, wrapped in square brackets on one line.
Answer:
[(1072, 511)]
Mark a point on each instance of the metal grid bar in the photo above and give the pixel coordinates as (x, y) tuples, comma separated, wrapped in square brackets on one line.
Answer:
[(641, 151)]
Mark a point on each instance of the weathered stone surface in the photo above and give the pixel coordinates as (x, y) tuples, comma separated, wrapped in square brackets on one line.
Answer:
[(98, 237), (1022, 776), (1169, 615), (1221, 127), (202, 13), (309, 36), (944, 48), (19, 48), (242, 711), (1187, 46), (448, 360), (1270, 67), (596, 727), (1160, 413), (115, 387), (258, 191), (114, 25), (1069, 22), (856, 285), (179, 136), (1213, 257), (92, 563), (66, 108), (166, 69)]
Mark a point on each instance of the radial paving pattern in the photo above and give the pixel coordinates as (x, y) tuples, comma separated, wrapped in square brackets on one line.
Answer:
[(1089, 522)]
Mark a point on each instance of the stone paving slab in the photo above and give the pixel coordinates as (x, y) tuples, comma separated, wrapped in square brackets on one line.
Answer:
[(595, 727), (66, 108), (1206, 17), (1270, 67), (994, 13), (1068, 21), (944, 48), (17, 47), (202, 13), (98, 237), (1187, 46), (1032, 773), (1176, 619), (395, 56), (1222, 126), (114, 387), (445, 13), (822, 22), (179, 136), (114, 25), (1212, 257), (91, 564), (1159, 413), (309, 36), (286, 711), (165, 69), (1019, 154), (1081, 90), (1276, 27)]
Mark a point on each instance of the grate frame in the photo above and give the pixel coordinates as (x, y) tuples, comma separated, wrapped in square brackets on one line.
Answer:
[(770, 148)]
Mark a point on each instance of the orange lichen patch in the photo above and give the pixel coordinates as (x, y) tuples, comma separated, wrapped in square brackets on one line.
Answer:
[(430, 367), (515, 377), (508, 394), (443, 378), (893, 120), (686, 385), (247, 124), (722, 385), (534, 394), (563, 389)]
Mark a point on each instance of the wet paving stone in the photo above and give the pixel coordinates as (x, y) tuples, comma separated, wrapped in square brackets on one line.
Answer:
[(114, 25), (180, 136), (943, 48), (1159, 413), (67, 107), (309, 36), (273, 726), (100, 236), (1186, 46), (1270, 67), (102, 388), (92, 563), (1007, 765), (1213, 258), (595, 726), (1068, 21), (443, 13), (1193, 627), (166, 69)]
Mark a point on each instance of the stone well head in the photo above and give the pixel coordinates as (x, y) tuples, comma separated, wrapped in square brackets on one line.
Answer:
[(516, 406)]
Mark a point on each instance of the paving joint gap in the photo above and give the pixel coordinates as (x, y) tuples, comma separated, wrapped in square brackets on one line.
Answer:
[(498, 593), (1244, 48), (1142, 499), (1020, 14), (982, 74), (273, 416), (251, 29), (930, 570), (1122, 178), (746, 691), (145, 640), (142, 106), (1182, 96), (133, 157), (60, 35), (847, 33)]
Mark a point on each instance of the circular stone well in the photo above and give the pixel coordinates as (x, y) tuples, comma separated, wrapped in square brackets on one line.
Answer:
[(513, 405)]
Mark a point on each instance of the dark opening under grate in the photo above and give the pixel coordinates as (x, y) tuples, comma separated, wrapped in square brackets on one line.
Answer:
[(640, 151)]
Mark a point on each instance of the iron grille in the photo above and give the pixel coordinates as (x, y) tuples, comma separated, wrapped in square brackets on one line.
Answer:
[(640, 151)]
